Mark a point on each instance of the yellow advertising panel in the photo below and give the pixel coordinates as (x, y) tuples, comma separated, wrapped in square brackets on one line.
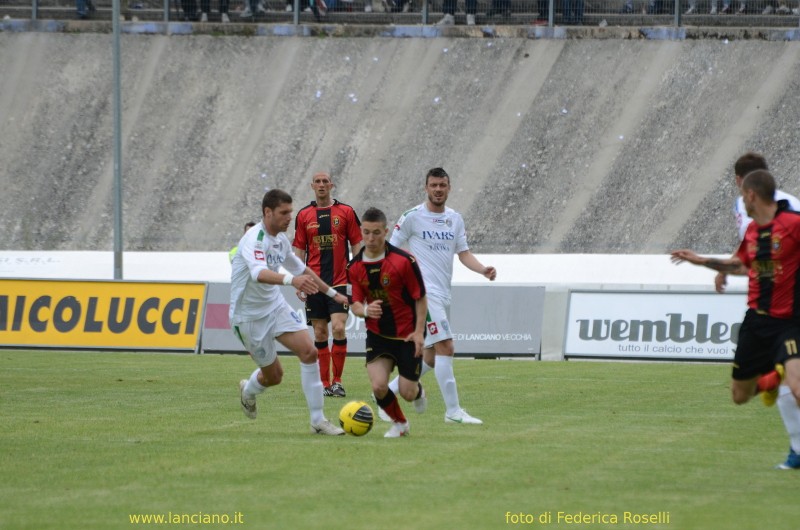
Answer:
[(101, 314)]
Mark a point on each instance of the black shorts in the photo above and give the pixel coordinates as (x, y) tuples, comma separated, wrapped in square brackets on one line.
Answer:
[(320, 306), (398, 350), (764, 341)]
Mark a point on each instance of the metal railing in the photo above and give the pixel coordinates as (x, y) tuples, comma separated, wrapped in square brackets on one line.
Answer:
[(548, 13)]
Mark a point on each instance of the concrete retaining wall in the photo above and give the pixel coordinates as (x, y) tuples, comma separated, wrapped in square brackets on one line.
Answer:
[(555, 146)]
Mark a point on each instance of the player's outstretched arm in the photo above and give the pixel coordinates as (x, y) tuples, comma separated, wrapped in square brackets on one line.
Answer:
[(732, 265)]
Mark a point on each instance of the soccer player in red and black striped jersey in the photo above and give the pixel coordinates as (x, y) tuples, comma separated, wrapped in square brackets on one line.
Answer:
[(325, 230), (770, 333), (387, 290)]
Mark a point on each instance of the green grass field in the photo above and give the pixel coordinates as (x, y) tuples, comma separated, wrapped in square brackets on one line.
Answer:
[(91, 439)]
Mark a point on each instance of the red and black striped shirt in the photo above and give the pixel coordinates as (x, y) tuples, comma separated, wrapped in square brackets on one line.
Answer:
[(324, 234), (397, 281), (772, 253)]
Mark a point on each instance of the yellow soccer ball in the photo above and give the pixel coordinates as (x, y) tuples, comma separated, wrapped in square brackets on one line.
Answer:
[(356, 418)]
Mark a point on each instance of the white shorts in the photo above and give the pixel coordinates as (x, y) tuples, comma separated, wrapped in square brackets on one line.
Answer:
[(437, 325), (258, 336)]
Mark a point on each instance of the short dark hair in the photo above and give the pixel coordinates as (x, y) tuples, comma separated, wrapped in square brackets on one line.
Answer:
[(248, 225), (748, 162), (374, 215), (762, 182), (437, 172), (274, 198)]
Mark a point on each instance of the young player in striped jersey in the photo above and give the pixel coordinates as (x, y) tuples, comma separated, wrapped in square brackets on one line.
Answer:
[(389, 293), (769, 335), (324, 232)]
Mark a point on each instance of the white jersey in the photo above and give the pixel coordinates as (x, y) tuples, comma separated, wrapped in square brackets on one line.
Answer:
[(433, 238), (742, 219), (250, 299)]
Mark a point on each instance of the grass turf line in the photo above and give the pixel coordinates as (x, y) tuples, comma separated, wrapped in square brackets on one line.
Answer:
[(90, 438)]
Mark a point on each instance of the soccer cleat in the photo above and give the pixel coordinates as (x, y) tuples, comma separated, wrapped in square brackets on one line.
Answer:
[(398, 430), (421, 403), (769, 397), (327, 428), (327, 392), (462, 417), (248, 405), (792, 461), (383, 416), (337, 390)]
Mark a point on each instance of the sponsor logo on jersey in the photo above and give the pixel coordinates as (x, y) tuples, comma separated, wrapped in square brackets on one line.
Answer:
[(385, 280), (335, 221), (441, 236), (296, 317), (313, 225), (259, 255), (432, 329)]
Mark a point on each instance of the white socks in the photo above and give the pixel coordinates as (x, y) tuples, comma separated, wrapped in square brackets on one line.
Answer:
[(447, 383), (790, 413), (312, 388), (394, 385), (253, 387)]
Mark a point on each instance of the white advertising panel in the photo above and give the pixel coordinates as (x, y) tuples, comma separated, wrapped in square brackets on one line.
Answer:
[(491, 321), (653, 325)]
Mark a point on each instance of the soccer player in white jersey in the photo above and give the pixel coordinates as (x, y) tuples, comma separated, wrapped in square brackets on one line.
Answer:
[(746, 163), (435, 233), (259, 313)]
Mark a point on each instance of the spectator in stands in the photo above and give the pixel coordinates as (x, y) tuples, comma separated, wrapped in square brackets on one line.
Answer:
[(84, 7), (654, 7), (251, 8), (205, 9), (544, 13), (573, 12), (189, 10), (501, 7), (726, 7), (449, 9)]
